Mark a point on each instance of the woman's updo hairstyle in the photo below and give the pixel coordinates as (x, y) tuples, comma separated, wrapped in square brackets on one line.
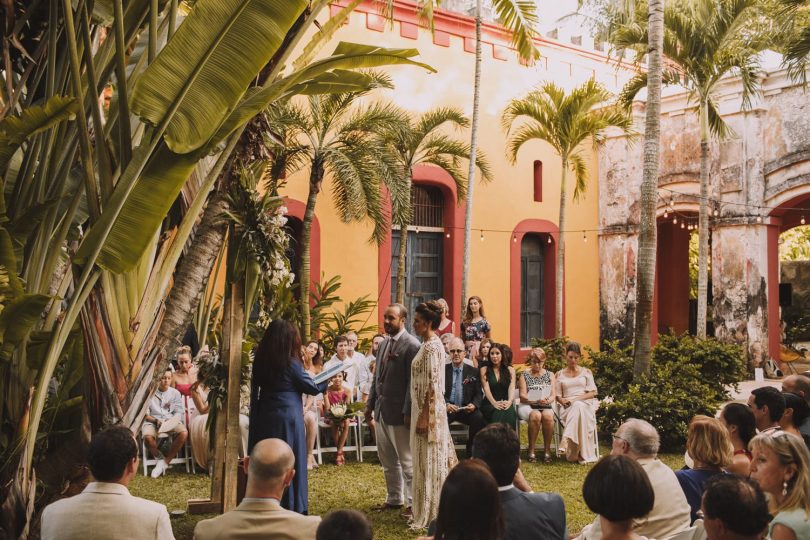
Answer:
[(431, 313), (573, 346)]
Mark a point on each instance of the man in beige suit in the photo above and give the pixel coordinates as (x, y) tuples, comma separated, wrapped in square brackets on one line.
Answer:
[(639, 440), (269, 471), (105, 509)]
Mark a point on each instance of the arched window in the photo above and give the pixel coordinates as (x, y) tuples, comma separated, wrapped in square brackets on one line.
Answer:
[(427, 203), (531, 289)]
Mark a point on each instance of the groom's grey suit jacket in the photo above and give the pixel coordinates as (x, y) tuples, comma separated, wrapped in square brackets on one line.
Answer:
[(390, 395)]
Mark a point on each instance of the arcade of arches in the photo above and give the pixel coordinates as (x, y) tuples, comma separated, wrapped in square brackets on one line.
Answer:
[(759, 188)]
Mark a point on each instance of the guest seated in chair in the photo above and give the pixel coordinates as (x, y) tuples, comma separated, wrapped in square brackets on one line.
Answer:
[(618, 490), (576, 394), (462, 392), (537, 392), (164, 418)]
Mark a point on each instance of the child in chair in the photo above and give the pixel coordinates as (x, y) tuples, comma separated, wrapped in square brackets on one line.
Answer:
[(336, 394)]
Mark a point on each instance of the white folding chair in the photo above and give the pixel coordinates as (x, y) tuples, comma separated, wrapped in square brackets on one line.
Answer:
[(558, 430), (184, 456), (348, 447), (362, 427), (457, 429)]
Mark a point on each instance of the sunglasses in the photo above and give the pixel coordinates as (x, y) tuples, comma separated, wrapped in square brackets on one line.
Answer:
[(456, 350)]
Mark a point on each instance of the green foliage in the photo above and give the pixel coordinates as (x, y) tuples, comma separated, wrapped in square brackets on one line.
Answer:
[(688, 376), (555, 351), (794, 244)]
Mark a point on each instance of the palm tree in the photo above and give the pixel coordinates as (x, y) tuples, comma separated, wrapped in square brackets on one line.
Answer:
[(648, 229), (420, 142), (704, 41), (332, 134), (565, 121), (797, 40)]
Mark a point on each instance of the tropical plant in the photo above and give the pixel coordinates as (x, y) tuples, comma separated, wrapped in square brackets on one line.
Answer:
[(420, 141), (705, 41), (333, 134), (793, 17), (565, 121), (105, 182)]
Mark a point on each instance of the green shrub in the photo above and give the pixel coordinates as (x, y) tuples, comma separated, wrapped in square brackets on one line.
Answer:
[(687, 377)]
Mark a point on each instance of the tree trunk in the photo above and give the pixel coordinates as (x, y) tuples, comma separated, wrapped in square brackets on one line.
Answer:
[(465, 273), (315, 180), (703, 221), (559, 280), (233, 331), (648, 228), (402, 257)]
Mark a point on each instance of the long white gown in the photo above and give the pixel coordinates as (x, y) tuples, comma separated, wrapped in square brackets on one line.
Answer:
[(579, 420), (433, 453)]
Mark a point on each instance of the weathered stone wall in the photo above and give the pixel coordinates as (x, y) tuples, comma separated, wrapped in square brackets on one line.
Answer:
[(764, 161)]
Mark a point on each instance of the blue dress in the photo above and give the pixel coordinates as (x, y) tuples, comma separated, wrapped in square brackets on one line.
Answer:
[(277, 412)]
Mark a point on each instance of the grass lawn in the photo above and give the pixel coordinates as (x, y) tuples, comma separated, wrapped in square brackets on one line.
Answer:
[(361, 486)]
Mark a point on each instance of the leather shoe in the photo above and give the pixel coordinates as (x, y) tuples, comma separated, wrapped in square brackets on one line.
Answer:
[(385, 506), (407, 513)]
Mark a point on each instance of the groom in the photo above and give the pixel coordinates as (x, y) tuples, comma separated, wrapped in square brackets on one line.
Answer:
[(390, 401)]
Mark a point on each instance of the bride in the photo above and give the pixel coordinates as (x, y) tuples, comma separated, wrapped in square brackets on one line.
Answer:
[(431, 446)]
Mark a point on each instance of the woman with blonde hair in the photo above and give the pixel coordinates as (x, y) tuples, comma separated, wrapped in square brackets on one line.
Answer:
[(709, 445), (446, 325), (781, 467)]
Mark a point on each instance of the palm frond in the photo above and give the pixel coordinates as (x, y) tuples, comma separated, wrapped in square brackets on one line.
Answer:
[(520, 18), (717, 125), (580, 168)]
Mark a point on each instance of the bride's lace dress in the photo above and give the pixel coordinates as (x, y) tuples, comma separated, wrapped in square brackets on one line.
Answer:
[(432, 451)]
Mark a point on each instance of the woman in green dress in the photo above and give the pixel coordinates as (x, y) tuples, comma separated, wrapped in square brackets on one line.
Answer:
[(498, 380)]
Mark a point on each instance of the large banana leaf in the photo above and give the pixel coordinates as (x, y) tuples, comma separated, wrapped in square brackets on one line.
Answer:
[(18, 319), (15, 129), (208, 64), (347, 56)]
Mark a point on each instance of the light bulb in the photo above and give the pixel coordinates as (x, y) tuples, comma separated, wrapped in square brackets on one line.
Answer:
[(675, 220), (584, 237), (514, 238), (802, 221), (666, 214), (482, 236), (447, 235), (417, 230), (759, 219), (549, 237), (716, 212), (682, 225)]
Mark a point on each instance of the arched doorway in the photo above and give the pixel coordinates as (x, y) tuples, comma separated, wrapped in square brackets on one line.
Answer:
[(424, 261)]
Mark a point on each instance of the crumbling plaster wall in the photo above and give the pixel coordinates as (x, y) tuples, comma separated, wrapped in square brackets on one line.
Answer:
[(766, 155)]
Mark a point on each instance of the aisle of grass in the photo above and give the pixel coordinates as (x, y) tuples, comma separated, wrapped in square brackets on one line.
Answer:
[(361, 486)]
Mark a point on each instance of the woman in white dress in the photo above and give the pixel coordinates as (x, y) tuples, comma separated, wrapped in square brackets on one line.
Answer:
[(431, 446), (576, 394)]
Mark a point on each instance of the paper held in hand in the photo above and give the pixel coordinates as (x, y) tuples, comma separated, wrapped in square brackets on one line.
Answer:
[(327, 374), (536, 394)]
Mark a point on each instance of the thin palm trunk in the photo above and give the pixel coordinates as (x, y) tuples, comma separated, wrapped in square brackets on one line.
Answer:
[(315, 179), (560, 278), (465, 276), (648, 230), (703, 221), (402, 257)]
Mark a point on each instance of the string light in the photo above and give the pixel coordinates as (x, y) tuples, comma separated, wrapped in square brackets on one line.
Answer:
[(716, 212), (666, 213), (417, 230), (514, 238), (682, 225), (549, 239), (759, 219), (802, 221), (675, 220), (584, 236), (482, 235), (447, 235)]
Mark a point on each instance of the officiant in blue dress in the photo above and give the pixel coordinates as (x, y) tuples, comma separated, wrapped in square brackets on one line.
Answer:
[(276, 410)]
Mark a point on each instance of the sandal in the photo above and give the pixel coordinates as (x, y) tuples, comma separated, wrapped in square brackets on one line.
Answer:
[(547, 458), (532, 458), (341, 460)]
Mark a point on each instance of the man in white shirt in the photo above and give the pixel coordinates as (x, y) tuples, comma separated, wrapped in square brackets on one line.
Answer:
[(360, 362), (105, 509), (270, 469), (344, 357), (639, 440), (164, 418)]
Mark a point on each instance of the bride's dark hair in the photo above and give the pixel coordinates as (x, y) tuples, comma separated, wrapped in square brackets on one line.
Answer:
[(431, 313)]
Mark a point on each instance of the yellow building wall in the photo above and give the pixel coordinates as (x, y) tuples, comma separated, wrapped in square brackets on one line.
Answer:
[(499, 205)]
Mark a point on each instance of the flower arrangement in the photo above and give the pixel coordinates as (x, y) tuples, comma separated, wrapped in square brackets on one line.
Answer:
[(339, 411)]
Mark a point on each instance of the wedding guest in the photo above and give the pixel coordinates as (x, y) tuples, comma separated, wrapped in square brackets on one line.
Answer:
[(184, 378), (618, 490), (361, 364), (709, 445), (537, 392), (105, 509), (270, 469), (344, 525), (276, 411), (781, 467), (767, 404), (734, 508), (470, 507), (741, 425), (474, 327), (799, 384), (576, 393), (446, 326), (313, 405), (431, 445), (164, 418), (336, 394), (499, 387), (344, 357), (639, 440), (527, 516), (390, 404), (796, 411), (481, 360), (462, 393)]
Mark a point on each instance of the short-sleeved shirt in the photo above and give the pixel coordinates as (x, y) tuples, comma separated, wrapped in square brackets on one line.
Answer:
[(475, 331)]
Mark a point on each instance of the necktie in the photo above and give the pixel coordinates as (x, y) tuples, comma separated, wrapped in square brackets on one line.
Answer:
[(456, 394)]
